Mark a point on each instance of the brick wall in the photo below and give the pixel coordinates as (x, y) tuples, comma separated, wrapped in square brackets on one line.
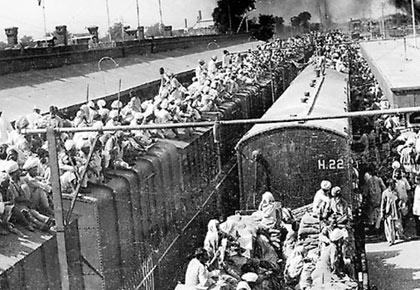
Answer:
[(19, 60)]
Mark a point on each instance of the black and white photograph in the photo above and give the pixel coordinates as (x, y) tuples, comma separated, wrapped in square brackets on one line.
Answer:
[(210, 144)]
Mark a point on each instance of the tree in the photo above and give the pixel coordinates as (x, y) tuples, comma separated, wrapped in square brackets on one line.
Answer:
[(279, 24), (301, 20), (3, 45), (154, 30), (116, 31), (229, 13), (304, 18), (27, 40), (295, 21), (315, 26), (266, 28)]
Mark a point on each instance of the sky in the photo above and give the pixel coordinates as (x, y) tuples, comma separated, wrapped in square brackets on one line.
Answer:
[(340, 10), (79, 14)]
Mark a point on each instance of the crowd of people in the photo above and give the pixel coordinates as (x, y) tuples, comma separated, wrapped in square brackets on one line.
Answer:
[(24, 159), (387, 158), (270, 249)]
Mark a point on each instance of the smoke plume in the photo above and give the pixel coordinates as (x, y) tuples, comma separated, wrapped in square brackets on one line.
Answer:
[(338, 11), (405, 5)]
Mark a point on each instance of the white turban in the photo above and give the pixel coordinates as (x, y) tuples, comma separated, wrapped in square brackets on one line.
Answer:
[(69, 144), (30, 163), (326, 185), (12, 166)]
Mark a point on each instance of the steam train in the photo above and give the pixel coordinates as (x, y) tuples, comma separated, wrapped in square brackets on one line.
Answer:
[(291, 159)]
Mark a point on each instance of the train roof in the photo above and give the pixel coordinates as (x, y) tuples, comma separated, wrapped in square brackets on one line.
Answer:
[(329, 96), (387, 57), (395, 65)]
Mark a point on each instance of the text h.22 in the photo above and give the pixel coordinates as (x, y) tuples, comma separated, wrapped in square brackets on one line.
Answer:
[(330, 164)]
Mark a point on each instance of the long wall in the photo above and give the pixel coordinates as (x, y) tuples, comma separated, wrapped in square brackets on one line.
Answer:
[(19, 60)]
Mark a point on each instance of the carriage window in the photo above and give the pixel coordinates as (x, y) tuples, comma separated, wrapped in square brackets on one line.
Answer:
[(414, 118)]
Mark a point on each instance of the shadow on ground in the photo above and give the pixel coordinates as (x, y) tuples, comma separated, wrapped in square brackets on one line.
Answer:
[(386, 275)]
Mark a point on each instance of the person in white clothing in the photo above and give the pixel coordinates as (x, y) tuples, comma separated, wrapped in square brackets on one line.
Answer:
[(197, 273), (322, 198), (416, 205), (211, 67), (34, 118), (5, 128)]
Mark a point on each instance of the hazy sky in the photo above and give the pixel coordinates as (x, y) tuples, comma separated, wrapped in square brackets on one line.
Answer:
[(78, 14)]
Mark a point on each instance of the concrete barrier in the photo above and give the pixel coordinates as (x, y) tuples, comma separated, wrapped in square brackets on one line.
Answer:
[(19, 60)]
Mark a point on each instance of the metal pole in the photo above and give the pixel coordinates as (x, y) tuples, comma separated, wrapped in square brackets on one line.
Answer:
[(122, 31), (161, 15), (383, 20), (216, 137), (119, 97), (413, 16), (246, 24), (240, 24), (228, 123), (109, 21), (138, 14), (58, 208), (230, 18), (81, 177), (45, 19)]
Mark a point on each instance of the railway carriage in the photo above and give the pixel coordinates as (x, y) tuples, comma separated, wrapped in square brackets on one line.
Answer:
[(291, 159)]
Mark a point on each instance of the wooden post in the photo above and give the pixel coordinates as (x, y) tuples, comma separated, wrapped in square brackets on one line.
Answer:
[(58, 208)]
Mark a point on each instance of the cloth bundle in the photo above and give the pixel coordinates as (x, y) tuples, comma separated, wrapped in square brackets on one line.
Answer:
[(308, 226), (310, 242)]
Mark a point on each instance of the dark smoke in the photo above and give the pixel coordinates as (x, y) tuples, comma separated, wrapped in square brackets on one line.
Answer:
[(405, 5), (338, 10)]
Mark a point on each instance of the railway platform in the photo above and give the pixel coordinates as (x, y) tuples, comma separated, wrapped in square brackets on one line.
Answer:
[(66, 86), (396, 267)]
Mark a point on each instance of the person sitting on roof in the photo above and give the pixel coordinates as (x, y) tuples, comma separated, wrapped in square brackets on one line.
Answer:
[(39, 189), (322, 199), (6, 207), (35, 118), (20, 193), (339, 207), (201, 71), (211, 66), (5, 128), (67, 157), (197, 274), (52, 119), (113, 152), (80, 119), (269, 210), (102, 110)]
